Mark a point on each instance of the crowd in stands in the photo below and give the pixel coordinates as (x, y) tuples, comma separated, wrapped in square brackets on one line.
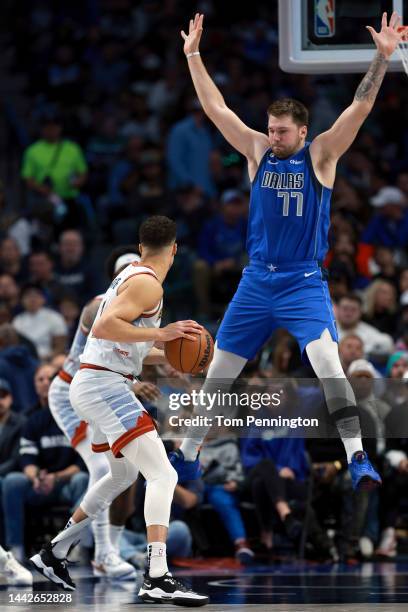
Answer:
[(111, 132)]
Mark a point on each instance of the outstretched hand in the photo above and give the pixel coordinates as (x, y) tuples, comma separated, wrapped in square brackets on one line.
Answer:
[(192, 40), (388, 38)]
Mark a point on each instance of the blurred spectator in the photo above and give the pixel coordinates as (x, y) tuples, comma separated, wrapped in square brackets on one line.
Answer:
[(51, 475), (10, 292), (11, 424), (123, 176), (108, 69), (72, 270), (221, 251), (387, 268), (395, 473), (14, 224), (69, 308), (191, 212), (42, 379), (140, 122), (63, 75), (397, 365), (351, 348), (388, 227), (17, 366), (43, 326), (189, 147), (223, 476), (11, 260), (348, 317), (381, 306), (41, 273), (54, 169)]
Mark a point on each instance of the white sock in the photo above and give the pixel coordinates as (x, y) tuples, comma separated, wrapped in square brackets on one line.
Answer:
[(157, 559), (100, 530), (351, 446), (70, 534), (115, 532)]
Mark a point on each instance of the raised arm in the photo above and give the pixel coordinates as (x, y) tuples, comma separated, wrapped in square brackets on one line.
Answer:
[(249, 142), (330, 145)]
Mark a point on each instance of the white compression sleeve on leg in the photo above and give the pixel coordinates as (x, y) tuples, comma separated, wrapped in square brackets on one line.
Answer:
[(224, 369), (99, 497), (148, 455), (324, 357)]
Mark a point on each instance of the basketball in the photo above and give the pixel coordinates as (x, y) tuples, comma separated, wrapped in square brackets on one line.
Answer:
[(189, 356)]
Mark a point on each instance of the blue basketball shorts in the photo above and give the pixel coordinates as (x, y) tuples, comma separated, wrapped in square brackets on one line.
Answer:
[(293, 296)]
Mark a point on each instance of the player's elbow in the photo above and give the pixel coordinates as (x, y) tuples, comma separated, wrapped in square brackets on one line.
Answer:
[(101, 329)]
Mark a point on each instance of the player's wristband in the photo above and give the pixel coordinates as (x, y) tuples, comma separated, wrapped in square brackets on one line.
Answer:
[(188, 55)]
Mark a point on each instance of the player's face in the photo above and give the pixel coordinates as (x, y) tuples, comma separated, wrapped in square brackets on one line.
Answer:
[(285, 136)]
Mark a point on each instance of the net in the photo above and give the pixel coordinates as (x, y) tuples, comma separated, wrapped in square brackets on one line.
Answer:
[(403, 47)]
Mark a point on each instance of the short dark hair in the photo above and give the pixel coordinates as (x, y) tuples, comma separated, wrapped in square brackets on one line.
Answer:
[(352, 297), (157, 232), (114, 256), (288, 106)]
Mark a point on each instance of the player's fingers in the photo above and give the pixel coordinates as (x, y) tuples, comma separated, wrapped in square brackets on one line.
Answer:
[(190, 26), (384, 20), (394, 19), (372, 31), (196, 18), (183, 35), (200, 22), (188, 337)]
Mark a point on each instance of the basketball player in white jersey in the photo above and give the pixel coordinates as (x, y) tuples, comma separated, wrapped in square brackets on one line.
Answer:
[(107, 561), (121, 339)]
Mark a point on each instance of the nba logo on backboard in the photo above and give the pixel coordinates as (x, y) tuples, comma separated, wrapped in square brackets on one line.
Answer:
[(325, 18)]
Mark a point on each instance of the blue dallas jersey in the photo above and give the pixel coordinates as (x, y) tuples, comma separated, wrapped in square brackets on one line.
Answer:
[(289, 213)]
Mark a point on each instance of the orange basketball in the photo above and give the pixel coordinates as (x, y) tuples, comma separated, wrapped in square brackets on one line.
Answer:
[(190, 356)]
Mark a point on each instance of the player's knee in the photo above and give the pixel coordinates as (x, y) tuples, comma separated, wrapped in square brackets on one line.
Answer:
[(97, 466)]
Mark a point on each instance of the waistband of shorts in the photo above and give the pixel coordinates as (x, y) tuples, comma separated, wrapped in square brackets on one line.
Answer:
[(285, 266), (92, 366), (65, 376)]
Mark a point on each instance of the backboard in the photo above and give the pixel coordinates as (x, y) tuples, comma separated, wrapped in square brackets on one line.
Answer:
[(328, 36)]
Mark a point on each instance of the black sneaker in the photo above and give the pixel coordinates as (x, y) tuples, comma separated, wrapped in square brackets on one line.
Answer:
[(52, 568), (168, 589)]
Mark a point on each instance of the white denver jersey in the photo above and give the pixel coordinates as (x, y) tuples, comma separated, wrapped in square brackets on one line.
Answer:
[(123, 357)]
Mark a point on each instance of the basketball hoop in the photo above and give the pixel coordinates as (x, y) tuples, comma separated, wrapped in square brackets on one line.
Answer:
[(403, 47)]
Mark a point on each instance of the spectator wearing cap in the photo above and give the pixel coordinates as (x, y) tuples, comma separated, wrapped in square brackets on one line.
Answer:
[(397, 365), (55, 170), (11, 424), (389, 226), (189, 148), (17, 366), (348, 318), (43, 326), (221, 251)]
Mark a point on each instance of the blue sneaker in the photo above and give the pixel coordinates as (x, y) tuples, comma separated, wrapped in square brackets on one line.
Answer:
[(186, 470), (363, 475)]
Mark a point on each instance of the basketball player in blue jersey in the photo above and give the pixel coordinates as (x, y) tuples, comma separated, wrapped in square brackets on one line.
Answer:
[(289, 217)]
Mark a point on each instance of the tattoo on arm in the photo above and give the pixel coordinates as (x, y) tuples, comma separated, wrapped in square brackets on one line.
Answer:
[(368, 89)]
